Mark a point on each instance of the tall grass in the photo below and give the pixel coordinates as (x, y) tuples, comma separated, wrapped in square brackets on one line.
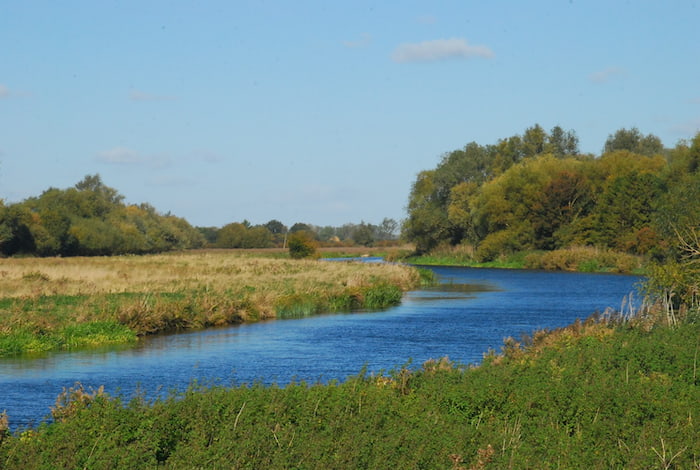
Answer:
[(575, 258), (50, 303)]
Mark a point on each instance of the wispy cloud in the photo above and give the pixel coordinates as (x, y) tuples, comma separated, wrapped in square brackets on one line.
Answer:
[(439, 49), (4, 91), (126, 156), (607, 74), (207, 156), (137, 95), (688, 128), (365, 39)]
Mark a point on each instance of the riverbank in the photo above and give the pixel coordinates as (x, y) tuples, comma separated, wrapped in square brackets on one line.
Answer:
[(579, 259), (65, 303), (604, 393)]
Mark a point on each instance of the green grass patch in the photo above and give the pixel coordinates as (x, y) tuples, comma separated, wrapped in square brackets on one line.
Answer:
[(84, 335)]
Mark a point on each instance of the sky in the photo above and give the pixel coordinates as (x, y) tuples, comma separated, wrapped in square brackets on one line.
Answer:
[(320, 112)]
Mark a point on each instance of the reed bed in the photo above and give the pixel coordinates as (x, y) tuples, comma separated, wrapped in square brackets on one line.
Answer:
[(42, 300)]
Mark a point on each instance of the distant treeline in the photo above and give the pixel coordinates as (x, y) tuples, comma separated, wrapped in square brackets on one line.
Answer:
[(537, 191), (91, 219), (274, 234)]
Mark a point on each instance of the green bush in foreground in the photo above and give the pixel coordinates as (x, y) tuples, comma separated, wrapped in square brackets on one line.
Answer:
[(593, 395)]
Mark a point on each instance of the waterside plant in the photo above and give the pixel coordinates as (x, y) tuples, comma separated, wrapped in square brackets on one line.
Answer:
[(616, 391), (575, 258), (63, 303)]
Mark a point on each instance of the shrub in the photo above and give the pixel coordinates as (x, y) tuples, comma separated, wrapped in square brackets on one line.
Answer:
[(302, 245)]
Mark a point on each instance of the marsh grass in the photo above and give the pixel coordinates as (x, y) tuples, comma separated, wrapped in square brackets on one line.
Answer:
[(575, 258), (50, 303)]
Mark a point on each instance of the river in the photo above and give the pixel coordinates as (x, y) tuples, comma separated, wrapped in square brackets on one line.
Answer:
[(470, 312)]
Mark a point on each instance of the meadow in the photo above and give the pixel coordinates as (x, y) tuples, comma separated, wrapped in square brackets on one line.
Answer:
[(64, 303)]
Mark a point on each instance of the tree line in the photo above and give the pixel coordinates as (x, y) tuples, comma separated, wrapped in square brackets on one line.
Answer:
[(536, 191), (92, 219), (275, 234)]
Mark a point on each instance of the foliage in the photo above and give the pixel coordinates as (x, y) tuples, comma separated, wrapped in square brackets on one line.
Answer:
[(534, 192), (239, 235), (301, 245), (90, 219), (633, 141), (597, 394)]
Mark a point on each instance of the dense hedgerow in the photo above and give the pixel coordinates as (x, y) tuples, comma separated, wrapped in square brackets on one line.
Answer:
[(593, 395)]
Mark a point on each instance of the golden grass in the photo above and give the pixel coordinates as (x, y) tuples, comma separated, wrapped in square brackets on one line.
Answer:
[(50, 303), (170, 273)]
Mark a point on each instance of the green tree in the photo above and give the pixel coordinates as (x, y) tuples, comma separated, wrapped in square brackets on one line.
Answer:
[(302, 244), (363, 234), (562, 143), (633, 141), (625, 209), (564, 200), (15, 234), (387, 229), (231, 236), (300, 227), (276, 227), (427, 224), (534, 141)]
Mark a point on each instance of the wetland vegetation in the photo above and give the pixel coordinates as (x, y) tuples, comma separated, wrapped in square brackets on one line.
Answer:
[(62, 303)]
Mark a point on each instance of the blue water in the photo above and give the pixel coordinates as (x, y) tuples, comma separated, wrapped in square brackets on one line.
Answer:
[(472, 311)]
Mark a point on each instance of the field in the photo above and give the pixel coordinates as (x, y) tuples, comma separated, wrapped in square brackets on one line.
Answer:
[(63, 303)]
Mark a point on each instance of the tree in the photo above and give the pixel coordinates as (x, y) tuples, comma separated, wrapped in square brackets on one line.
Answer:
[(300, 227), (625, 208), (534, 141), (565, 199), (562, 143), (302, 245), (276, 227), (634, 141), (427, 224), (15, 235), (387, 229), (363, 234)]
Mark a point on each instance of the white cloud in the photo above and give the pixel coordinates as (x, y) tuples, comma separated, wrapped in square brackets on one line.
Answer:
[(364, 40), (4, 91), (439, 49), (606, 75), (119, 155), (125, 156), (136, 95)]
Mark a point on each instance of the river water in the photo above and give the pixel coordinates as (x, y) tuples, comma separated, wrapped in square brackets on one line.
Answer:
[(470, 312)]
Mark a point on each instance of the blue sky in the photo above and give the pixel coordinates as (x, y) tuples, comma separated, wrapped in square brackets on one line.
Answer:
[(320, 111)]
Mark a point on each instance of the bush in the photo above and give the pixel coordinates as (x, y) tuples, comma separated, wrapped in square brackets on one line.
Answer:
[(302, 245)]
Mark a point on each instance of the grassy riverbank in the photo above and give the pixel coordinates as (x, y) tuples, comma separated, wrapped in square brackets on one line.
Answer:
[(610, 394), (63, 303), (582, 259)]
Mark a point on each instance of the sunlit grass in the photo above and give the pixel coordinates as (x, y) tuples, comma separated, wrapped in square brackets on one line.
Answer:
[(148, 294)]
